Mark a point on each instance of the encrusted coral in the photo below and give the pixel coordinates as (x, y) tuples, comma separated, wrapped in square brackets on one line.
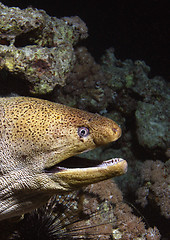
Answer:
[(131, 82), (50, 58), (156, 180), (152, 124), (42, 67), (86, 86), (96, 212), (125, 225)]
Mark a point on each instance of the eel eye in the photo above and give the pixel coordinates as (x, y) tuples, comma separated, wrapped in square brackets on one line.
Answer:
[(83, 132)]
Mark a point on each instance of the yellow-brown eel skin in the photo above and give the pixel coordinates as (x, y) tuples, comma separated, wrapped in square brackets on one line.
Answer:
[(38, 138)]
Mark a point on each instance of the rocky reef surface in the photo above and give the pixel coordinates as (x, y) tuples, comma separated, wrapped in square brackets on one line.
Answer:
[(37, 47), (95, 212), (40, 53)]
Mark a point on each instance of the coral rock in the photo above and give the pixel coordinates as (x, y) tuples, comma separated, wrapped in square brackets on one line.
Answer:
[(38, 48), (156, 180), (152, 124)]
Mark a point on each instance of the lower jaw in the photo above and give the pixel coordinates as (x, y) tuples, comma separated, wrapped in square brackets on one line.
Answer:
[(77, 171)]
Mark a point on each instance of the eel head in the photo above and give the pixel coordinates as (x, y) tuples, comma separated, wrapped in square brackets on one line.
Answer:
[(39, 144)]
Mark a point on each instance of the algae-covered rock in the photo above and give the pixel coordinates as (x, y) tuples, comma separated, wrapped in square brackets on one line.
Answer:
[(38, 48), (42, 67), (86, 86), (120, 73), (15, 22), (152, 124), (151, 90), (129, 82)]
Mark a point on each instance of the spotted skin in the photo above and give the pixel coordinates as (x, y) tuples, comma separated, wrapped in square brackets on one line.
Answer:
[(35, 136)]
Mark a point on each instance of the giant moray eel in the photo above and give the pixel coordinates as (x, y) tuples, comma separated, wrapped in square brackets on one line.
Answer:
[(38, 142)]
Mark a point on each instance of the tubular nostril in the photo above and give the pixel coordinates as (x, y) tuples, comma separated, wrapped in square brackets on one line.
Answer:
[(115, 130)]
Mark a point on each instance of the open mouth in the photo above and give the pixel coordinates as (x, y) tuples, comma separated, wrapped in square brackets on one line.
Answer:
[(80, 164), (76, 172)]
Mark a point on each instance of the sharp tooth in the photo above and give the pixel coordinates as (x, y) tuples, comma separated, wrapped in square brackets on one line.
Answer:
[(110, 162)]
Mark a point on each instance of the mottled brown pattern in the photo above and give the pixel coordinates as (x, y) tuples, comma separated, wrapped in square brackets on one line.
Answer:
[(35, 136)]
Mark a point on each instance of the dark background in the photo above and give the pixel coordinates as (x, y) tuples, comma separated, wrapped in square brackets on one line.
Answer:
[(136, 29)]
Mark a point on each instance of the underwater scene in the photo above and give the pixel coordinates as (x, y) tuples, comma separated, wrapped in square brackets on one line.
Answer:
[(84, 120)]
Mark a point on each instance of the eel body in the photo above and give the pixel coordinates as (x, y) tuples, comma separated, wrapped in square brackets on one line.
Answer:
[(39, 141)]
